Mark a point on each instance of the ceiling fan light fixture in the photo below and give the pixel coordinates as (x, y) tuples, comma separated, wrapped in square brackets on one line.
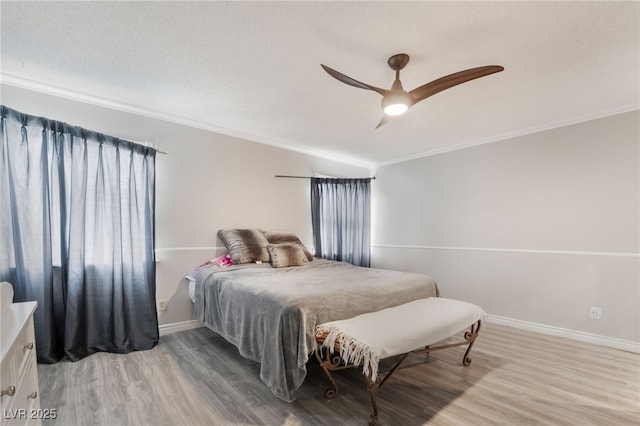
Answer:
[(395, 109), (396, 103)]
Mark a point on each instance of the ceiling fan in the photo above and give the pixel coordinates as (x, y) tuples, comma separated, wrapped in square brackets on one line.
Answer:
[(396, 101)]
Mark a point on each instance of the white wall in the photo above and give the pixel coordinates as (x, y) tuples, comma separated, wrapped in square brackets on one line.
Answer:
[(536, 228), (206, 182)]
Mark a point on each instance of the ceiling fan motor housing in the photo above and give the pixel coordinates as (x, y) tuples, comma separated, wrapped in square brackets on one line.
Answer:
[(396, 102)]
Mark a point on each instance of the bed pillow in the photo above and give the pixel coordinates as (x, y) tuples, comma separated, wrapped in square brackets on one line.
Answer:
[(287, 254), (245, 245), (286, 237)]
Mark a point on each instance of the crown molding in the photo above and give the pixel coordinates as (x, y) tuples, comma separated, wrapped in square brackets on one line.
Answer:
[(37, 86), (49, 89), (514, 134)]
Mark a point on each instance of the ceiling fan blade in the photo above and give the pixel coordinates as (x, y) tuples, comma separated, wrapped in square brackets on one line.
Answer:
[(384, 120), (352, 82), (448, 81)]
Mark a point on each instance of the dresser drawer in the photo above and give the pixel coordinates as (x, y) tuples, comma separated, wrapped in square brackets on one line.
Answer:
[(8, 381), (24, 348), (21, 351), (23, 407), (20, 401)]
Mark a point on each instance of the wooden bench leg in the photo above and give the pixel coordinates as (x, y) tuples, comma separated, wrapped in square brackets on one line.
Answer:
[(470, 336), (469, 339), (374, 386), (332, 362)]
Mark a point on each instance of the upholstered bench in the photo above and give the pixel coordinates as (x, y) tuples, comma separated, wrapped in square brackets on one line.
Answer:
[(366, 339)]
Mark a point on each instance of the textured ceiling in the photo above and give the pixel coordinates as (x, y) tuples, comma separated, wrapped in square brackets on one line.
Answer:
[(252, 69)]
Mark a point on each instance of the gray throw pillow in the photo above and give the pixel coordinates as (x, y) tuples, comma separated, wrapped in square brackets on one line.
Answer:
[(286, 254), (286, 237), (245, 245)]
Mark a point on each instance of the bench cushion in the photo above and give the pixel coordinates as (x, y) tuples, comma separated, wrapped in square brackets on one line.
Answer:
[(369, 337)]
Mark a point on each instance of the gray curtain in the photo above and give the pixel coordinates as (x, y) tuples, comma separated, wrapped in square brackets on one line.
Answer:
[(341, 219), (76, 235)]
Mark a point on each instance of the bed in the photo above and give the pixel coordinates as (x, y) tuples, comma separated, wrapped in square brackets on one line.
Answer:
[(270, 313)]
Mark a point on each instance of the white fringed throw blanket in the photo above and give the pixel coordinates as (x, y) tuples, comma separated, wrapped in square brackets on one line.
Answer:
[(368, 338)]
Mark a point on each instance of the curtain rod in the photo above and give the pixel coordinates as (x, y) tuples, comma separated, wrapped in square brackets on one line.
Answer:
[(320, 177), (148, 146), (145, 143)]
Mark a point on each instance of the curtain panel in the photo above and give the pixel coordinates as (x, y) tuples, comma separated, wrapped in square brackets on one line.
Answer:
[(341, 219), (77, 235)]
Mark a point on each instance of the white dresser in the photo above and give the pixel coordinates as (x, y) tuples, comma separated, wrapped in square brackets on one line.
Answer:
[(20, 400)]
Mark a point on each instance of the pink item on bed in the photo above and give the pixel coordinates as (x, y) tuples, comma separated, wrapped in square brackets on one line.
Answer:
[(222, 261)]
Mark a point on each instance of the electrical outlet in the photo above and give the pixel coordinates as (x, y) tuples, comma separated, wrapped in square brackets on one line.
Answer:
[(595, 312), (162, 304)]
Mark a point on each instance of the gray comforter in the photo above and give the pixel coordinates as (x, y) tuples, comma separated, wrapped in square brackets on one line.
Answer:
[(270, 314)]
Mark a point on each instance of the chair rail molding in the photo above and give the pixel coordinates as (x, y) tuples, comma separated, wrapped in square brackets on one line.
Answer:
[(510, 250)]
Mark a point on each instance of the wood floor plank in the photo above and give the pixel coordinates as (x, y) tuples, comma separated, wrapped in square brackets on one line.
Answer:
[(195, 377)]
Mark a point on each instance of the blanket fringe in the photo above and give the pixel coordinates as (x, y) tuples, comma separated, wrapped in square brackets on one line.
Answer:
[(352, 351)]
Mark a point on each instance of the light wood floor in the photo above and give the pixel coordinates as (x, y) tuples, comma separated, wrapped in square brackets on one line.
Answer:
[(196, 378)]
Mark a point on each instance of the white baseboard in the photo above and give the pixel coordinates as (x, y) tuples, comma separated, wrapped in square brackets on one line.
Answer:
[(625, 345), (179, 326)]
